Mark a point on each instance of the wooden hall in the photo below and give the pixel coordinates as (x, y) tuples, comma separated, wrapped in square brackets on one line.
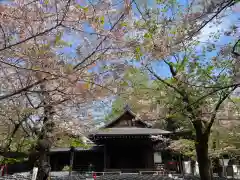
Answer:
[(126, 144)]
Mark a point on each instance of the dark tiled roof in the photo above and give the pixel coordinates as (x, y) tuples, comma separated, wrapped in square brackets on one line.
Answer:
[(127, 110), (130, 131), (13, 154)]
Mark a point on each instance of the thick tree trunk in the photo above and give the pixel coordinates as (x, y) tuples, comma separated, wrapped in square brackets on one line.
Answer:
[(45, 137), (43, 146), (203, 158), (44, 166)]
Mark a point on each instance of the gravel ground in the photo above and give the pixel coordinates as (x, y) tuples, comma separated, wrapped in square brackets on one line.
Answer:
[(64, 176)]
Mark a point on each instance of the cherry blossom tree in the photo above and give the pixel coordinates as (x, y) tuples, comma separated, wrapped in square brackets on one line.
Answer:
[(54, 87), (170, 35)]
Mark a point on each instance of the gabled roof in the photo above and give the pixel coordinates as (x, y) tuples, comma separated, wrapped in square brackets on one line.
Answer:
[(127, 110), (130, 131)]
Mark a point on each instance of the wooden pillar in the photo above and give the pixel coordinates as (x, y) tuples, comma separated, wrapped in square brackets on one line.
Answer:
[(72, 151), (150, 157), (105, 157), (180, 164), (54, 162)]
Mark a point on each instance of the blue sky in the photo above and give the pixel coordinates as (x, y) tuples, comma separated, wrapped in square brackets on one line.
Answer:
[(4, 1), (159, 67), (232, 18)]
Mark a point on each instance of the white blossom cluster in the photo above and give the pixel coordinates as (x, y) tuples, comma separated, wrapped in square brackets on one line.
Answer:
[(160, 138)]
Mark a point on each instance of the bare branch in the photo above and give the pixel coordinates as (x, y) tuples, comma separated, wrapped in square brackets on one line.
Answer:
[(205, 23), (172, 70), (40, 33), (235, 47), (99, 45), (215, 91), (164, 82), (22, 89), (4, 37), (218, 104), (31, 37)]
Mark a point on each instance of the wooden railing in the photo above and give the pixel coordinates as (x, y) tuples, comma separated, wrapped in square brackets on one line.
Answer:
[(162, 173)]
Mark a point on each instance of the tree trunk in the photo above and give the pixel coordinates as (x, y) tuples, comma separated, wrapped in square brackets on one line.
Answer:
[(44, 142), (44, 166), (203, 158), (39, 158)]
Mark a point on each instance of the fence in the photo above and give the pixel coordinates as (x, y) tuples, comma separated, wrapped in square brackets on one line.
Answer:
[(15, 177), (231, 171)]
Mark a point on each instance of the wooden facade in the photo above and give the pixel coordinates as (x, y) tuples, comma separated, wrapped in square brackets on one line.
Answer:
[(83, 158), (124, 144)]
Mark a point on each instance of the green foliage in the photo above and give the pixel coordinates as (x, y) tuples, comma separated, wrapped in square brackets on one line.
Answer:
[(102, 20), (5, 160), (185, 147), (197, 75), (117, 109), (176, 121), (138, 53), (66, 168), (58, 37), (59, 42), (85, 9), (124, 24), (236, 100), (68, 68), (148, 35), (65, 140), (182, 64), (78, 143), (46, 2)]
